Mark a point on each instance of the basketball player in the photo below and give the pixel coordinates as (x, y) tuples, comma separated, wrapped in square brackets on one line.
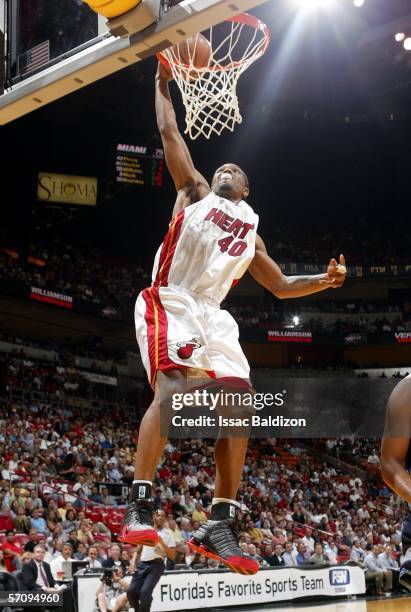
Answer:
[(396, 463), (212, 240), (151, 565)]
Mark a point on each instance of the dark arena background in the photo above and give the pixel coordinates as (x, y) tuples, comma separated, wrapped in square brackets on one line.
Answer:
[(86, 201)]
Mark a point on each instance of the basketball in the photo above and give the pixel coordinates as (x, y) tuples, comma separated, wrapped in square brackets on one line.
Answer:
[(195, 50)]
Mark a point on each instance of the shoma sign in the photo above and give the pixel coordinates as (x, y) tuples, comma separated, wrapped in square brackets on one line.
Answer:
[(67, 189)]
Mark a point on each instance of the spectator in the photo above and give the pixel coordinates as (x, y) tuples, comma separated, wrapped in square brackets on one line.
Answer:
[(386, 560), (332, 551), (32, 541), (52, 519), (95, 495), (288, 556), (252, 553), (12, 552), (357, 552), (276, 559), (199, 515), (277, 538), (22, 522), (114, 557), (300, 555), (38, 522), (81, 552), (92, 559), (373, 459), (84, 534), (319, 557), (56, 566), (36, 574), (383, 578), (308, 540), (112, 592), (57, 547), (70, 522), (3, 567), (6, 520)]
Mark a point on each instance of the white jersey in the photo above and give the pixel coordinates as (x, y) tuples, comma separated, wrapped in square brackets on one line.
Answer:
[(208, 247), (149, 553)]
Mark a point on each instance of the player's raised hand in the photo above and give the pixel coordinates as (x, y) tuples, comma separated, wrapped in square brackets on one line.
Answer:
[(336, 273), (163, 72)]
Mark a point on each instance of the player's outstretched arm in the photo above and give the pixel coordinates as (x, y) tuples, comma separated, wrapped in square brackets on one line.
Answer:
[(268, 274), (178, 158), (396, 440)]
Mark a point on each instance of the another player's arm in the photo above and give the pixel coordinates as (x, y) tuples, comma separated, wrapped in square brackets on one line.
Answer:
[(191, 186), (135, 559), (396, 439), (269, 275)]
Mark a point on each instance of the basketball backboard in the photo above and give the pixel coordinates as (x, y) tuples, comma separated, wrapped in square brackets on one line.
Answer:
[(66, 46)]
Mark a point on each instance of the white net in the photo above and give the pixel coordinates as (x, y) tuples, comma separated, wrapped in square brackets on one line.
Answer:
[(210, 93)]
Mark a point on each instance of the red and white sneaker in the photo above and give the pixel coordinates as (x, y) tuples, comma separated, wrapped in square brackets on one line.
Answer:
[(137, 527), (218, 540)]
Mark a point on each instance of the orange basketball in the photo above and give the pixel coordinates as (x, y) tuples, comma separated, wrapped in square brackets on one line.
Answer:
[(195, 51)]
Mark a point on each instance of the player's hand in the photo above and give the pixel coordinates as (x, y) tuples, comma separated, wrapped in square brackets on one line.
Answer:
[(164, 73), (336, 273)]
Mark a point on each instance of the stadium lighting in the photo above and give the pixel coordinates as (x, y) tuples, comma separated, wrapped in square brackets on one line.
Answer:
[(399, 37), (407, 44), (313, 4), (296, 320), (359, 3)]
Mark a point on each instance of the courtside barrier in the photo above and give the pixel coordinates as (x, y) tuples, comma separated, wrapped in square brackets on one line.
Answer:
[(194, 590)]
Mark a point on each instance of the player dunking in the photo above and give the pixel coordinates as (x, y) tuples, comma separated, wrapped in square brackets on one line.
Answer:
[(396, 463), (212, 240)]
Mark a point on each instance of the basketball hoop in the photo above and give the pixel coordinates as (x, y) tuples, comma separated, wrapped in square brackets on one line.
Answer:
[(209, 93)]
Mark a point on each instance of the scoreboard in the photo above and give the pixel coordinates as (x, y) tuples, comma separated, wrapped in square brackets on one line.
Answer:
[(139, 165)]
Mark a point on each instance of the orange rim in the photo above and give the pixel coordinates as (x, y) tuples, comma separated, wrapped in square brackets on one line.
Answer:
[(244, 18)]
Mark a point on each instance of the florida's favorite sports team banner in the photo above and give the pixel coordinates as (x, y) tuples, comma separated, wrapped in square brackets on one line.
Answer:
[(197, 590)]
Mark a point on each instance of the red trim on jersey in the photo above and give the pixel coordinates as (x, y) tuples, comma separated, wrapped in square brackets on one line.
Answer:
[(168, 250), (156, 321)]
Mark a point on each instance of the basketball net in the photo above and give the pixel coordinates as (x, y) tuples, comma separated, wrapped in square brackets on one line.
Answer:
[(210, 94)]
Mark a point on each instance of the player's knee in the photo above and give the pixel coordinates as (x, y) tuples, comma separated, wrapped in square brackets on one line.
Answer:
[(170, 385)]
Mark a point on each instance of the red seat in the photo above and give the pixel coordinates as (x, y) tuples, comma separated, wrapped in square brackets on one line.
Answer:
[(22, 538), (114, 527)]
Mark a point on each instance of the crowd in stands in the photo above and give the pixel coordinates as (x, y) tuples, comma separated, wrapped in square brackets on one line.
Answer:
[(95, 278), (271, 317), (300, 509), (111, 285), (361, 243)]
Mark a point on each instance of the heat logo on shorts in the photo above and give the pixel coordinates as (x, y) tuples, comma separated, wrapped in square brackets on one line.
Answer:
[(339, 577), (186, 348)]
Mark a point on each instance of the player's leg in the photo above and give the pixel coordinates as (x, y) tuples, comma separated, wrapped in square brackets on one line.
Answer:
[(146, 593), (137, 581), (229, 457), (217, 538), (137, 527)]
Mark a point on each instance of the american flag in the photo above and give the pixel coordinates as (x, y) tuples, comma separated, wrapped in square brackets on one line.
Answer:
[(34, 58)]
